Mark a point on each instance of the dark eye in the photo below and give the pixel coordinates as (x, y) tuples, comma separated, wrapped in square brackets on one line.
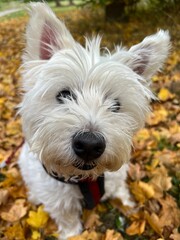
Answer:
[(116, 106), (65, 94)]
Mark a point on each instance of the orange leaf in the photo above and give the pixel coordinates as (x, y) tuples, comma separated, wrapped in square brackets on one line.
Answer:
[(112, 235), (137, 227), (87, 236), (153, 221)]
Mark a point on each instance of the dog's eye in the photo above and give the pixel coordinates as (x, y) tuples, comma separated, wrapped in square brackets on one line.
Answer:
[(65, 94), (116, 106)]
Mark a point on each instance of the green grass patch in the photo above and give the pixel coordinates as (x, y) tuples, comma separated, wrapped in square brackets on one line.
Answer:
[(64, 8), (17, 14)]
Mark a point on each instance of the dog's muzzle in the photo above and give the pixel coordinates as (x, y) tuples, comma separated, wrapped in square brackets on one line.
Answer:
[(88, 146)]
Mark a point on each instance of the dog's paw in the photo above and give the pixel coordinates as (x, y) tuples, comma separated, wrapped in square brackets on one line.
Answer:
[(70, 232), (124, 195)]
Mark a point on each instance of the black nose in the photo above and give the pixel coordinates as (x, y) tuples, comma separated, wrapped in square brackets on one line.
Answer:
[(88, 145)]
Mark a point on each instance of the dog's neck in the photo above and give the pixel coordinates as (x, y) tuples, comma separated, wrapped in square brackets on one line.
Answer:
[(92, 190), (71, 179)]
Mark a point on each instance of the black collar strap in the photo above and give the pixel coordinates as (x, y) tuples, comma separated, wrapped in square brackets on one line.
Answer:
[(92, 190)]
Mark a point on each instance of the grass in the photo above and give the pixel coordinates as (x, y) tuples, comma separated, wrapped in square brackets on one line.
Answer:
[(18, 4), (6, 5)]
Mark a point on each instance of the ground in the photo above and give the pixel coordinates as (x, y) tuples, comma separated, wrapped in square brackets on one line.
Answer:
[(154, 176)]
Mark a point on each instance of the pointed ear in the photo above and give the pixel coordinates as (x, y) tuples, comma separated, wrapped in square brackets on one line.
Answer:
[(148, 56), (45, 34)]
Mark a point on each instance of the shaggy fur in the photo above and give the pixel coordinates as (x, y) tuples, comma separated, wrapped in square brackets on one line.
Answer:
[(109, 95)]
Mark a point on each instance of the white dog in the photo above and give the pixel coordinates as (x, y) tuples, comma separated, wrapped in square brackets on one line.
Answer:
[(80, 110)]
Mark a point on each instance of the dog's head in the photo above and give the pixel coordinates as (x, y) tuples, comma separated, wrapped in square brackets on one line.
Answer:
[(81, 107)]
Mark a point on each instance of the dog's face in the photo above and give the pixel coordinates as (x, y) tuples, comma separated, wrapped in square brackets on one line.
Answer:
[(81, 108)]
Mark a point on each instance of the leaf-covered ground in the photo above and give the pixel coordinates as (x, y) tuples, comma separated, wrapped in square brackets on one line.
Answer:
[(154, 176)]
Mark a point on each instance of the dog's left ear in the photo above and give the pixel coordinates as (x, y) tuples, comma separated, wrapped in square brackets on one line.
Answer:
[(147, 57), (45, 33)]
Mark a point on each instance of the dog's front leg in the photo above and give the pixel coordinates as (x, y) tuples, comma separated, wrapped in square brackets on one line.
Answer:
[(68, 222), (64, 206), (63, 202), (116, 186)]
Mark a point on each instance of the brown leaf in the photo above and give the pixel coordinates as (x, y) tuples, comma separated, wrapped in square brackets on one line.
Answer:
[(175, 138), (170, 213), (3, 196), (135, 172), (92, 220), (160, 181), (16, 211), (175, 235)]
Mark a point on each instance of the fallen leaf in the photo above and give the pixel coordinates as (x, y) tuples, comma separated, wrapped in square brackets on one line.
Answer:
[(87, 236), (137, 227), (154, 222), (175, 138), (3, 196), (175, 235), (112, 235), (15, 232), (170, 213), (143, 134), (35, 235), (153, 165), (157, 116), (142, 191), (160, 181), (135, 172), (164, 94), (37, 219), (92, 220), (16, 211)]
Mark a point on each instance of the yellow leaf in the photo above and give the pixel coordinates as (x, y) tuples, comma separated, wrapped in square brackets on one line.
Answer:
[(38, 219), (13, 128), (164, 94), (15, 232), (36, 235), (142, 191), (153, 165), (143, 134), (159, 115)]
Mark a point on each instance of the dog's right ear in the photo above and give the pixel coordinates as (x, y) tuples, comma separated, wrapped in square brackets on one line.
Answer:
[(45, 34)]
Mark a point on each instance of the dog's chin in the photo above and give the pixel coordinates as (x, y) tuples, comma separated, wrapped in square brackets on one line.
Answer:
[(85, 166)]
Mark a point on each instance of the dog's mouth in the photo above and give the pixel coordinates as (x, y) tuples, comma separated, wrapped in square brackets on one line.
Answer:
[(85, 166)]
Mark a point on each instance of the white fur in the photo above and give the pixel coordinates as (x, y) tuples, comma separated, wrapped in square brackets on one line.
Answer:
[(53, 61)]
